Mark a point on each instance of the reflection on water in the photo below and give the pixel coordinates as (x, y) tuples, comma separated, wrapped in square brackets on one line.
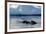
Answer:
[(16, 22)]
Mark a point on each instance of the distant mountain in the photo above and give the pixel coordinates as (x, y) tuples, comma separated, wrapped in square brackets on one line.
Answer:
[(25, 9)]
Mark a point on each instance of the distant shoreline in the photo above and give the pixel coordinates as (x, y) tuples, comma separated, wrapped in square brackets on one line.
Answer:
[(25, 15)]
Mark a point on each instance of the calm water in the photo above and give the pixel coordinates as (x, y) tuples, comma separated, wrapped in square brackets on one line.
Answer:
[(16, 22)]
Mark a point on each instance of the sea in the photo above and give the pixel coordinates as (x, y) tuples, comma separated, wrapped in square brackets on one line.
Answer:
[(16, 22)]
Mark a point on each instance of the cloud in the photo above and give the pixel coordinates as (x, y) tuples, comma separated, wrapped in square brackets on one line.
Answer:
[(14, 6), (25, 9), (37, 6), (20, 9)]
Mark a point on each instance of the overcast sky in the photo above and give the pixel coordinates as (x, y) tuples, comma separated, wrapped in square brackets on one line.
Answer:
[(24, 9)]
